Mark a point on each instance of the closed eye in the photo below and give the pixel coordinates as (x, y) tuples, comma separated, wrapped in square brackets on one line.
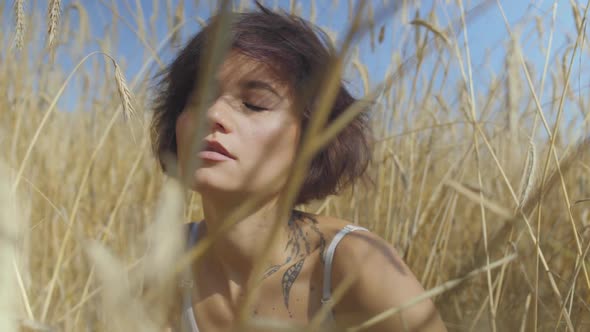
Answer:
[(255, 108)]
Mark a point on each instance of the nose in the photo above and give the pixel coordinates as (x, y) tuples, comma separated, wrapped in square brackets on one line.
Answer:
[(218, 115)]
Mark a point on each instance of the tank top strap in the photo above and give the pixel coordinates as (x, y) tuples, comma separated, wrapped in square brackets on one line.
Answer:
[(187, 283), (329, 258), (193, 234)]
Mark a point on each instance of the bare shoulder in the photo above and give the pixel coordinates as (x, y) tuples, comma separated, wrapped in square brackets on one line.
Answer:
[(379, 280), (363, 249)]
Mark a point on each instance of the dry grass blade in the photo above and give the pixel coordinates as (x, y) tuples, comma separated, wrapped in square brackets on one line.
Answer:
[(113, 214), (531, 233), (54, 12), (50, 109), (95, 292), (101, 142), (432, 292), (85, 176), (371, 22), (138, 34), (10, 222), (313, 12), (438, 32), (178, 17), (363, 71), (83, 28), (167, 231), (579, 201), (348, 116), (124, 311), (43, 122), (567, 66), (525, 314), (475, 197), (576, 15), (167, 244), (139, 18), (29, 325), (212, 60)]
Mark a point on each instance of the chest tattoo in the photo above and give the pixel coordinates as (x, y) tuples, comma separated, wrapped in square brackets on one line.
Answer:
[(298, 248)]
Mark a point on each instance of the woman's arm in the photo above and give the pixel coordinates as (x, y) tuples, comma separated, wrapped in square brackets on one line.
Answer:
[(383, 281)]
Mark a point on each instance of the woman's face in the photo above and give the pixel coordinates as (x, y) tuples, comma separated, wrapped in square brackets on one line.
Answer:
[(254, 121)]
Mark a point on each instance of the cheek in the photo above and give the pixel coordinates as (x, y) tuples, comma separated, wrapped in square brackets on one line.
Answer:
[(183, 123), (278, 146)]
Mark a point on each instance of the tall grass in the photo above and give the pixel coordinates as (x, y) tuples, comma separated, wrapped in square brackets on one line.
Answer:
[(482, 185)]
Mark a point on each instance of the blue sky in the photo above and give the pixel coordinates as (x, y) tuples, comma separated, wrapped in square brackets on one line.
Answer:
[(486, 31)]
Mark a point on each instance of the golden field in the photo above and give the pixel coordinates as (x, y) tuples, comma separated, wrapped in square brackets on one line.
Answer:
[(463, 180)]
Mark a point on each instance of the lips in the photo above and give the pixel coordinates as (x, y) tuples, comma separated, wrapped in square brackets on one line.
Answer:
[(214, 150)]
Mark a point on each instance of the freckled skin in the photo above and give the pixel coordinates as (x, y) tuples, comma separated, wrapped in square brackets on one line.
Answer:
[(289, 292)]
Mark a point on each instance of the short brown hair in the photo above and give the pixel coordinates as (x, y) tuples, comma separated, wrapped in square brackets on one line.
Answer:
[(299, 52)]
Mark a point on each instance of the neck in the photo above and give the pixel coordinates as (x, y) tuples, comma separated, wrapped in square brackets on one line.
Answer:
[(238, 249)]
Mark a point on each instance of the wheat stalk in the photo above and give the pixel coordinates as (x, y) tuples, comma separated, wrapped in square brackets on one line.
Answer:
[(448, 220), (313, 12), (85, 177), (363, 71), (371, 21), (153, 18), (576, 15), (178, 17), (432, 292), (11, 222), (82, 32), (140, 18), (434, 29), (527, 305)]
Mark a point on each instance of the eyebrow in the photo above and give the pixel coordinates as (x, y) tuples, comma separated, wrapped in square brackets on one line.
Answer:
[(254, 84)]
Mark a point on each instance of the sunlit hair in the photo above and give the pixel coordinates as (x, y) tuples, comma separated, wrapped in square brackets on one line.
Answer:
[(299, 53)]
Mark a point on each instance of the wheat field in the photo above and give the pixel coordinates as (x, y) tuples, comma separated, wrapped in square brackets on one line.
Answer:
[(485, 192)]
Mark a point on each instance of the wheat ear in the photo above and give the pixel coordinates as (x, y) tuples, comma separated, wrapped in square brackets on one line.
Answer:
[(125, 94), (20, 24), (53, 20), (527, 180)]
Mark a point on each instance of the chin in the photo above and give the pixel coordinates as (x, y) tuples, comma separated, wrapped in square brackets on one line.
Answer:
[(204, 185)]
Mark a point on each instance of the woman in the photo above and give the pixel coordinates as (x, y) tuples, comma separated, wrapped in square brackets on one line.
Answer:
[(254, 131)]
